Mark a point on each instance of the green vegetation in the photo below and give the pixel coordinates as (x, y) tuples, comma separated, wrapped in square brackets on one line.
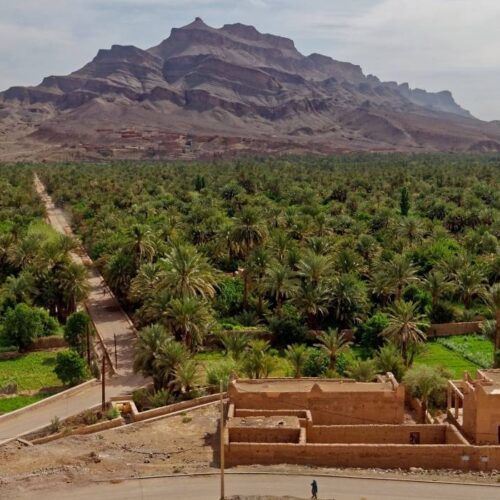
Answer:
[(259, 258), (435, 354), (33, 371), (16, 402), (474, 348)]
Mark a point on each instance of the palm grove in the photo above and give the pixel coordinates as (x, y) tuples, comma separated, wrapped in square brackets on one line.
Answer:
[(206, 254)]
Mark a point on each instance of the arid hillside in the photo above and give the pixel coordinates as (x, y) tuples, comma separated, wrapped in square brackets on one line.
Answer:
[(205, 92)]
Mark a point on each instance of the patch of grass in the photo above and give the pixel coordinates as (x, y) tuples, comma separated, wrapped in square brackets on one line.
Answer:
[(11, 404), (435, 354), (32, 371), (475, 348)]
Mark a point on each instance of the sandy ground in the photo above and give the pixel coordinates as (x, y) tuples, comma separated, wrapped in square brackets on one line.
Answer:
[(181, 444)]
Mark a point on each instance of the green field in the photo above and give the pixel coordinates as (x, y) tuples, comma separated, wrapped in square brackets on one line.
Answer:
[(11, 404), (30, 372), (436, 354)]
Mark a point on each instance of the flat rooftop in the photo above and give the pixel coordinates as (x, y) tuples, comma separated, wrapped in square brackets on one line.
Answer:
[(493, 376), (271, 422), (306, 385)]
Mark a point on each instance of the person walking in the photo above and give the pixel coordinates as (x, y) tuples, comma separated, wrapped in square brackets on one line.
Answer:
[(314, 489)]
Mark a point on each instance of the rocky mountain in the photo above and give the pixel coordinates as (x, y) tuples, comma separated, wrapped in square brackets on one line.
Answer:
[(205, 91)]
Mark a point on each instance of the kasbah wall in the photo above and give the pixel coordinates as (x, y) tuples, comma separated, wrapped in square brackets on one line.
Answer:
[(345, 428)]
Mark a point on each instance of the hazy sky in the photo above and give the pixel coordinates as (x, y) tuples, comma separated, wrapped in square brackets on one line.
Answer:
[(431, 44)]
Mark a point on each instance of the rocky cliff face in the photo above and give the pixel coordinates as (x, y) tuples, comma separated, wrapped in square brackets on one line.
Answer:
[(232, 82)]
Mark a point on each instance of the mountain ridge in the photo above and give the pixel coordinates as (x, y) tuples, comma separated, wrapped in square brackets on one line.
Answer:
[(206, 91)]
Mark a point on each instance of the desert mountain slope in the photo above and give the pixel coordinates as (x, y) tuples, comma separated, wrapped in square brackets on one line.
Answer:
[(206, 91)]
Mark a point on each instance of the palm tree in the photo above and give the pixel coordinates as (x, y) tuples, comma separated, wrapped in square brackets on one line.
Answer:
[(493, 299), (362, 370), (170, 357), (256, 269), (187, 274), (248, 232), (234, 343), (312, 302), (423, 382), (280, 283), (389, 359), (437, 285), (333, 343), (399, 272), (74, 286), (314, 268), (147, 349), (20, 288), (186, 376), (405, 327), (144, 285), (469, 282), (189, 319), (258, 363), (140, 244), (348, 299), (297, 357), (410, 229)]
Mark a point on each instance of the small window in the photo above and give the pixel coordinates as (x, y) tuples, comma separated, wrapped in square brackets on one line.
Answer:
[(414, 437)]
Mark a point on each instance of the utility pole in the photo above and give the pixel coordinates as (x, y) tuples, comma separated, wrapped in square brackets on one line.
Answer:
[(88, 345), (222, 496), (103, 378), (116, 353)]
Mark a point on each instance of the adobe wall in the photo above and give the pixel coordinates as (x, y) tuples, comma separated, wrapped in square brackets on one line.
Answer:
[(485, 420), (448, 329), (263, 435), (331, 408), (390, 434), (366, 455)]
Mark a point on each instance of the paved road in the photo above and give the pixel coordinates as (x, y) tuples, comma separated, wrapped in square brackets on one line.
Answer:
[(109, 319), (207, 487)]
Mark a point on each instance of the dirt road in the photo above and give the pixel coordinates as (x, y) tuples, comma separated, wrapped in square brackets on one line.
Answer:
[(109, 320), (297, 487)]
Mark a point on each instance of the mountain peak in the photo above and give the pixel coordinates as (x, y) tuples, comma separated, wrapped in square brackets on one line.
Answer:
[(198, 23), (237, 82)]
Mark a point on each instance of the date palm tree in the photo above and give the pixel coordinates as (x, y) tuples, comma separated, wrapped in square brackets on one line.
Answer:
[(470, 283), (296, 354), (362, 370), (312, 302), (141, 244), (186, 376), (74, 288), (348, 299), (399, 272), (234, 343), (186, 274), (438, 286), (258, 363), (333, 343), (406, 327), (147, 349), (280, 282), (189, 319), (170, 357), (248, 232), (492, 297)]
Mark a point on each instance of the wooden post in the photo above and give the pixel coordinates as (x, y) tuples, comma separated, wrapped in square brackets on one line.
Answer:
[(116, 353), (222, 495), (88, 345), (103, 378)]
